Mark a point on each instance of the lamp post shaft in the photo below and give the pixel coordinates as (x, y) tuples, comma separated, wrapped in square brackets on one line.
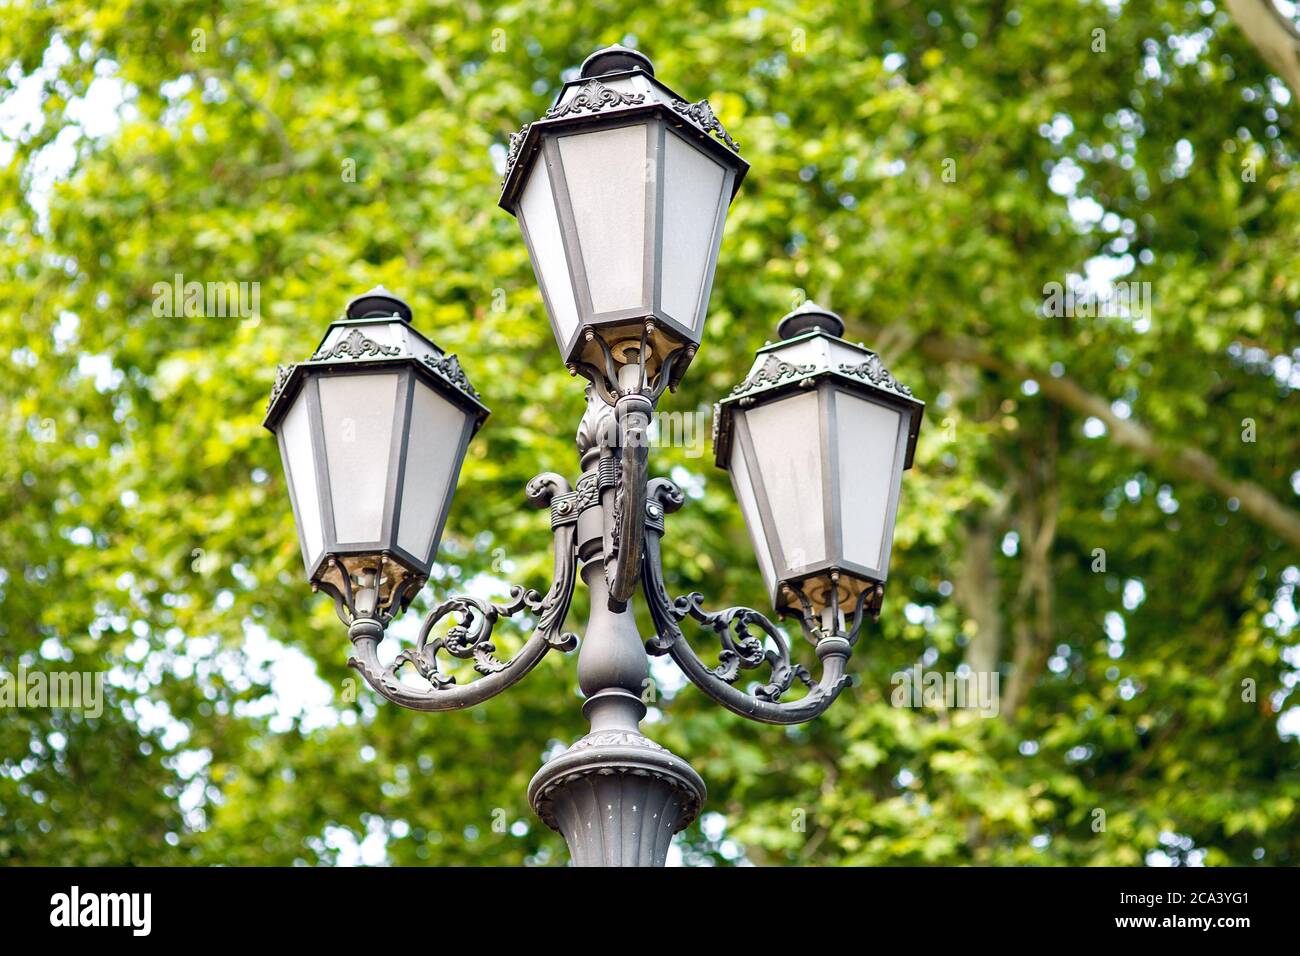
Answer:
[(616, 796), (613, 669)]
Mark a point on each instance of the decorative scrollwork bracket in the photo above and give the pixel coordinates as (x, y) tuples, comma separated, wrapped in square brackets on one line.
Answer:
[(469, 638), (741, 648)]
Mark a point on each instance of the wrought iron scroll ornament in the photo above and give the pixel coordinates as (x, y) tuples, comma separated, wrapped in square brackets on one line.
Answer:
[(741, 648), (512, 151), (702, 115), (282, 373), (470, 637), (448, 366), (773, 372), (355, 345), (592, 98), (873, 370)]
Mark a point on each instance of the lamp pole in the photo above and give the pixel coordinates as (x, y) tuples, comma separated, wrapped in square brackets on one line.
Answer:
[(374, 426), (617, 796)]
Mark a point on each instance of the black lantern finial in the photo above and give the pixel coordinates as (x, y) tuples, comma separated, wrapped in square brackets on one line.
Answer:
[(616, 59), (807, 317), (378, 302)]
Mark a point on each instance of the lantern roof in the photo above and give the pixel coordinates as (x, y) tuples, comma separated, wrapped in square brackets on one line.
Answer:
[(376, 332), (809, 352), (617, 83)]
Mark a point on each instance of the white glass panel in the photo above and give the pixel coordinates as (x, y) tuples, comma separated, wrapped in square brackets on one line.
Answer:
[(787, 443), (300, 466), (438, 430), (541, 224), (753, 517), (692, 191), (868, 452), (607, 173), (357, 411)]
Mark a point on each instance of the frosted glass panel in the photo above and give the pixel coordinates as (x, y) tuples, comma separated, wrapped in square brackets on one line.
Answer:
[(542, 226), (868, 449), (692, 191), (358, 415), (607, 173), (432, 460), (787, 443), (300, 466), (753, 518)]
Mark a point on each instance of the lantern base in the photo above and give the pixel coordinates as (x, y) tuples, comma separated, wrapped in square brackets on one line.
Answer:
[(825, 589), (617, 797), (623, 339)]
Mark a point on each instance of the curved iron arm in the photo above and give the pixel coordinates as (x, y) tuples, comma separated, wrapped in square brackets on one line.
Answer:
[(741, 649), (470, 637)]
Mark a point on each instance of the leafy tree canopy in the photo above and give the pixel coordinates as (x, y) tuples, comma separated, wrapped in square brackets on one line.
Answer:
[(1103, 507)]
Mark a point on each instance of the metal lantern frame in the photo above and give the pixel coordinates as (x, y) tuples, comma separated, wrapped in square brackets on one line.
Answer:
[(350, 347), (846, 368), (603, 98)]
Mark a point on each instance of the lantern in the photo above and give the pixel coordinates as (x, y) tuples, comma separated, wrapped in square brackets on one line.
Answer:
[(621, 191), (373, 429), (816, 440)]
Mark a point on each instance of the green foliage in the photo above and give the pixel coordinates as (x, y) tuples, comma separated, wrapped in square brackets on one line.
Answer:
[(146, 529)]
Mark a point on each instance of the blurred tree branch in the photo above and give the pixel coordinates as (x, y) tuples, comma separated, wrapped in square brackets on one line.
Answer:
[(1182, 460), (1275, 37), (1039, 494)]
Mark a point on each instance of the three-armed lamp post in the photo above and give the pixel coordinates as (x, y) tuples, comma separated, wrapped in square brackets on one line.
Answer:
[(621, 191)]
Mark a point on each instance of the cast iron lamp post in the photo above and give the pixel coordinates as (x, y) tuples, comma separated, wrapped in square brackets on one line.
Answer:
[(621, 190)]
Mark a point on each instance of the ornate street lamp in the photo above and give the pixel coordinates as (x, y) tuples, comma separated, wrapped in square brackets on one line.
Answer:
[(621, 190), (373, 429)]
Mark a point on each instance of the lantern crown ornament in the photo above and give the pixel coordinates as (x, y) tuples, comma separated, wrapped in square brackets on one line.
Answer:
[(816, 439), (372, 428), (621, 190)]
